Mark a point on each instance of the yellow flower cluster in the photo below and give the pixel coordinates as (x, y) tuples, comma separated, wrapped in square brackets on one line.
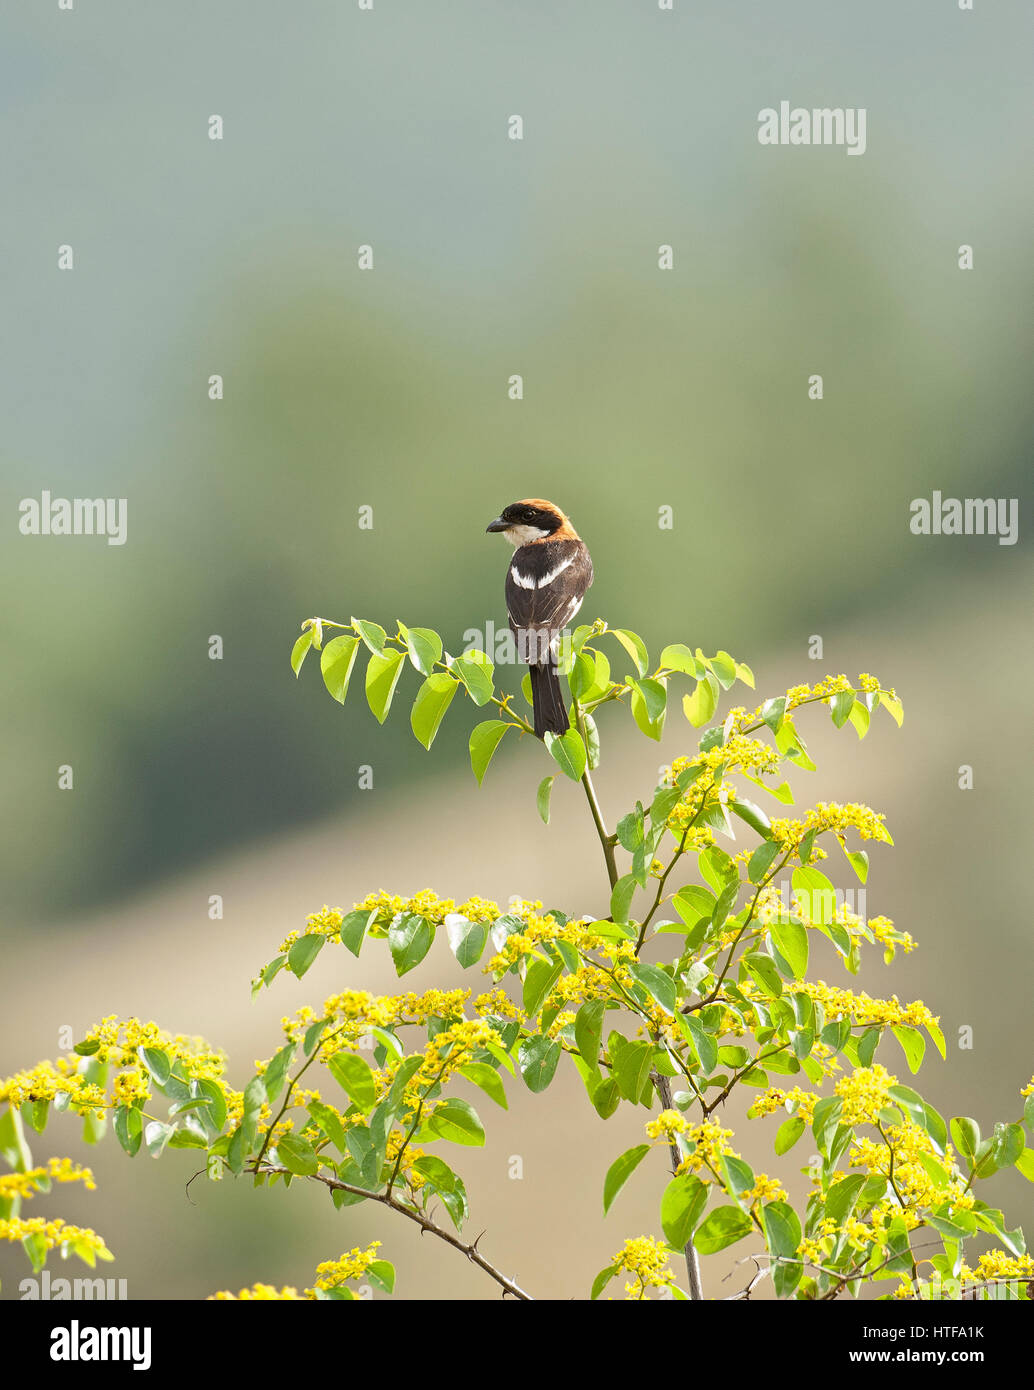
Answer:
[(396, 1139), (805, 694), (864, 1010), (1029, 1089), (667, 1124), (259, 1293), (646, 1259), (351, 1266), (353, 1012), (738, 754), (884, 931), (129, 1086), (795, 1101), (449, 1050), (997, 1264), (831, 815), (56, 1234), (538, 930), (864, 1094), (426, 904), (903, 1151), (710, 1143), (498, 1003), (27, 1184), (765, 1189), (588, 982)]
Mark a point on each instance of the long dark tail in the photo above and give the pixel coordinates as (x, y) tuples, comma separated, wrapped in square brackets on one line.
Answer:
[(547, 701)]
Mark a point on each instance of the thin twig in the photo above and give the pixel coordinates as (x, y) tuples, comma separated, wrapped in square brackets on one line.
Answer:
[(509, 1286), (696, 1285)]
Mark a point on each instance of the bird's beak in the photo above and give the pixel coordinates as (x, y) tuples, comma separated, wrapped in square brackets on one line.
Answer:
[(498, 525)]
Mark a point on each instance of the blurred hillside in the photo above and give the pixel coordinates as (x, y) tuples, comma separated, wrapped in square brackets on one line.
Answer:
[(388, 388), (643, 389)]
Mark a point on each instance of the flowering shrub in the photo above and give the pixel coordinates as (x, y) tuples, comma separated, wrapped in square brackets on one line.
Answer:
[(358, 1096)]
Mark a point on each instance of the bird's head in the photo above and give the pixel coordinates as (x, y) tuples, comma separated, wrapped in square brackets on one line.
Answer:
[(534, 519)]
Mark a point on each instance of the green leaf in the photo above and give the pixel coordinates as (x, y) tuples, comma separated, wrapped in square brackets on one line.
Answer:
[(655, 698), (701, 704), (409, 940), (353, 928), (682, 1203), (424, 647), (1007, 1144), (788, 1133), (588, 1031), (620, 1171), (541, 977), (353, 1075), (859, 861), (724, 667), (721, 1227), (568, 752), (476, 677), (754, 817), (773, 712), (156, 1136), (913, 1045), (254, 1099), (432, 700), (657, 983), (382, 676), (634, 645), (336, 661), (300, 650), (602, 1280), (840, 707), (537, 1058), (1025, 1164), (937, 1038), (466, 939), (157, 1063), (372, 634), (704, 1044), (297, 1155), (893, 706), (275, 1074), (842, 1197), (542, 797), (817, 893), (304, 951), (631, 1062), (783, 1233), (381, 1273), (487, 1079), (128, 1127), (762, 860), (592, 741), (330, 1124), (484, 740), (621, 897), (457, 1120), (679, 658), (791, 941), (606, 1098)]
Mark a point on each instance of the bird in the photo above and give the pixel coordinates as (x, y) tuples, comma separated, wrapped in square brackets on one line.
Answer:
[(545, 585)]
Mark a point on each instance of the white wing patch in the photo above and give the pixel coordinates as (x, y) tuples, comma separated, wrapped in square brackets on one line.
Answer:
[(548, 578), (528, 581)]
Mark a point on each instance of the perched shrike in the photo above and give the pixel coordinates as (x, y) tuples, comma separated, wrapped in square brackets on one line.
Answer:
[(545, 584)]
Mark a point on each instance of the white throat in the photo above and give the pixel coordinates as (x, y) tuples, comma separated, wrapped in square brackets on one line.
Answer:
[(522, 535)]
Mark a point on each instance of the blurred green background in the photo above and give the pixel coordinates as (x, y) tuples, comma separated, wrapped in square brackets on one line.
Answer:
[(388, 388)]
